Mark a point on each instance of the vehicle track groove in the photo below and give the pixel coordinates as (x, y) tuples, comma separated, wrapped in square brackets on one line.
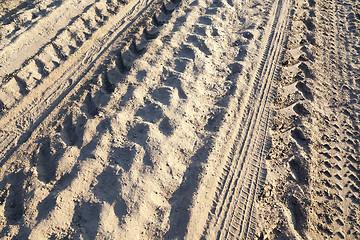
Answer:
[(244, 171)]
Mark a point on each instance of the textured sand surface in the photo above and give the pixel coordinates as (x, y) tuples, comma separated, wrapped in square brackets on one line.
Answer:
[(191, 119)]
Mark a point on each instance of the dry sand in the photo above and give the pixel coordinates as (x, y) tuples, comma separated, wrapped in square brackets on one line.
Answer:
[(191, 119)]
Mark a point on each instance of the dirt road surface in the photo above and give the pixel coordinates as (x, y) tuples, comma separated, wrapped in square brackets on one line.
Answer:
[(181, 119)]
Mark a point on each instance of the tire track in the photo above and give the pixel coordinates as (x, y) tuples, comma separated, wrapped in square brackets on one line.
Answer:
[(283, 199), (244, 172), (313, 193), (71, 112), (46, 26), (233, 212), (337, 157), (23, 76), (84, 107), (18, 124)]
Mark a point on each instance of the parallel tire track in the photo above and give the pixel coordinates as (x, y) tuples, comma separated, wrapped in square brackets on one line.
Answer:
[(68, 126), (233, 208), (34, 106), (233, 211)]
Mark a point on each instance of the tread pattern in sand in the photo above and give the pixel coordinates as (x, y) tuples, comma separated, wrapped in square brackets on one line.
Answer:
[(36, 67), (312, 140), (337, 155), (233, 210), (134, 128), (31, 92), (151, 120)]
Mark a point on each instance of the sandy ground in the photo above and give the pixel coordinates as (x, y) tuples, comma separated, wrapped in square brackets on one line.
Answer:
[(192, 119)]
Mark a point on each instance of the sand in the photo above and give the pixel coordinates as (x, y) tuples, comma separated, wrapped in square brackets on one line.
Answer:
[(179, 119)]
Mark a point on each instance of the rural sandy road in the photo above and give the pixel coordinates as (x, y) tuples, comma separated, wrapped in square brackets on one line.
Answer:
[(182, 119)]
